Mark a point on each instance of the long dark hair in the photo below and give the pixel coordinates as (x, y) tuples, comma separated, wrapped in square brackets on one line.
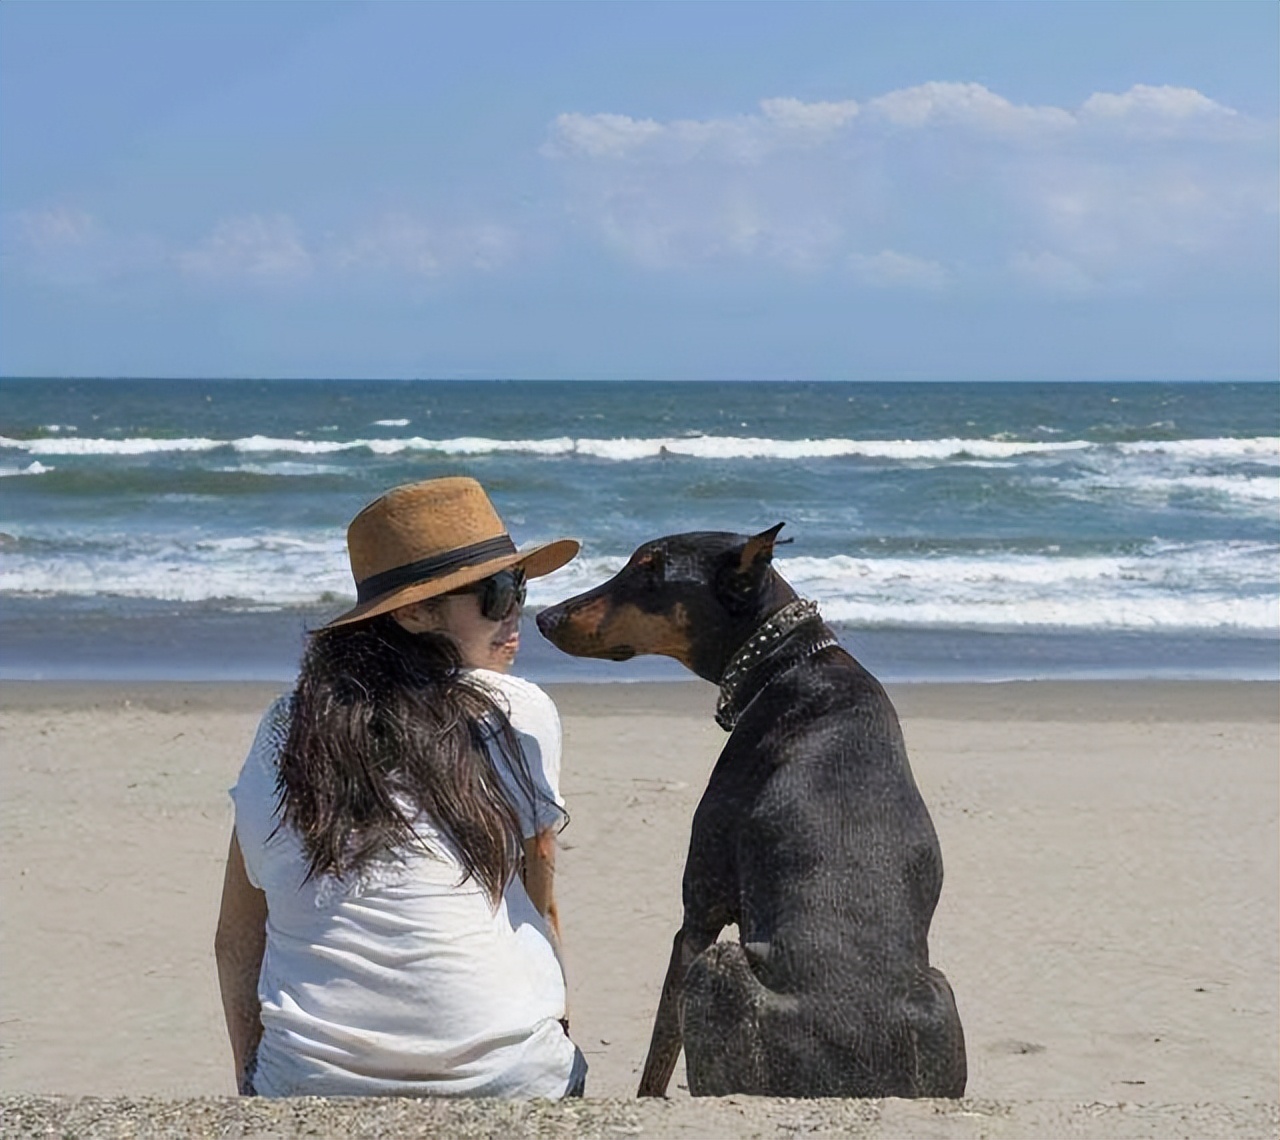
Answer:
[(385, 725)]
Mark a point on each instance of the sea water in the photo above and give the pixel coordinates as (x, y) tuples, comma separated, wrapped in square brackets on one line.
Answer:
[(965, 530)]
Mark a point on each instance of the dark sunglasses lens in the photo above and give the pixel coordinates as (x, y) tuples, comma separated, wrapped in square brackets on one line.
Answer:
[(503, 592)]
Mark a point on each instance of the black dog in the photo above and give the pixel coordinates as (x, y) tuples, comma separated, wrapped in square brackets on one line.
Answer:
[(811, 837)]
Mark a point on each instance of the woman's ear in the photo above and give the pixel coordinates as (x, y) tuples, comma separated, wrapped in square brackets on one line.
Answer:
[(419, 617)]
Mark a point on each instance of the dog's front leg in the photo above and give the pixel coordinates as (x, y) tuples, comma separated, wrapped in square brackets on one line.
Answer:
[(664, 1045)]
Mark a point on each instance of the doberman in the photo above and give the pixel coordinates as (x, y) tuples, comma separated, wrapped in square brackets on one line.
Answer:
[(811, 837)]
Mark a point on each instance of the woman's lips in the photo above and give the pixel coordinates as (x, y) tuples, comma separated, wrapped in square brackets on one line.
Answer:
[(506, 644)]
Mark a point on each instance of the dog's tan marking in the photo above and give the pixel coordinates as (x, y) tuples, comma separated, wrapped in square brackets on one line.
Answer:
[(584, 620), (666, 634)]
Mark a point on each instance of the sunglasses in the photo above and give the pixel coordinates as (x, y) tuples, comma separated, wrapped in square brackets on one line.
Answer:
[(499, 594)]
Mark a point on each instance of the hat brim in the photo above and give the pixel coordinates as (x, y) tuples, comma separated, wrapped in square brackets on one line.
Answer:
[(536, 561)]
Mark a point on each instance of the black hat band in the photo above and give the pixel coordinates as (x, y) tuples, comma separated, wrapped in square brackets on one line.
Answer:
[(436, 566)]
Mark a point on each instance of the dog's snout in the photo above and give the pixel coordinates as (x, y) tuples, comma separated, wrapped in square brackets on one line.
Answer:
[(573, 625), (548, 619)]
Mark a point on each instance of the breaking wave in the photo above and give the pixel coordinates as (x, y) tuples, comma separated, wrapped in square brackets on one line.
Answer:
[(1226, 587), (1262, 450)]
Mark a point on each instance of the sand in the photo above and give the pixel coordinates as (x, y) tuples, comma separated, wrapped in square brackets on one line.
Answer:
[(1109, 918)]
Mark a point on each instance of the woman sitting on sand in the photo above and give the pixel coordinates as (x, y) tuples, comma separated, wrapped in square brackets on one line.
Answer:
[(388, 925)]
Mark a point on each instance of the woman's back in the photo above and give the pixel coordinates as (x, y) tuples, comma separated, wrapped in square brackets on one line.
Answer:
[(405, 979)]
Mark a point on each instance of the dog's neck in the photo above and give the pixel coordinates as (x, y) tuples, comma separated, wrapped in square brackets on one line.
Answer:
[(784, 639), (725, 631)]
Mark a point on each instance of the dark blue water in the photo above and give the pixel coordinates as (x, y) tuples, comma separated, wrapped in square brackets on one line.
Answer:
[(950, 530)]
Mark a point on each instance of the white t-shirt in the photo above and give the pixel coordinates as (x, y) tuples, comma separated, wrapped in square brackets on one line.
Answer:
[(405, 983)]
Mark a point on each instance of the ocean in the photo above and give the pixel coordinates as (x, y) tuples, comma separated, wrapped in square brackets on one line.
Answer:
[(978, 531)]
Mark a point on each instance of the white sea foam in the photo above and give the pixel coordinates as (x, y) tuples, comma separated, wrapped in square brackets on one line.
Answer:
[(1259, 450), (266, 445), (1257, 616), (1194, 586), (1248, 493), (1228, 587), (739, 447), (471, 445), (275, 568), (35, 467), (583, 573), (1261, 488), (77, 445), (287, 467), (1262, 449), (1167, 586), (390, 423)]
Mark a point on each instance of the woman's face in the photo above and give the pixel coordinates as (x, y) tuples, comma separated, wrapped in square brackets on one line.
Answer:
[(483, 644)]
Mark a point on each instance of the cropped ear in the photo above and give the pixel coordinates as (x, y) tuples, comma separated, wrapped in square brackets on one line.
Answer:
[(739, 583), (759, 549)]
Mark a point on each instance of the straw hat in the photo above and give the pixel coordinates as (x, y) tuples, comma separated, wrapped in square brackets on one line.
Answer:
[(425, 539)]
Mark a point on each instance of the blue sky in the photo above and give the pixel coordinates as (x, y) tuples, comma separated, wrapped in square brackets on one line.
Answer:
[(671, 191)]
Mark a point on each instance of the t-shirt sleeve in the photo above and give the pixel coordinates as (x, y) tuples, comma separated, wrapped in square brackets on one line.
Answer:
[(254, 792), (536, 724)]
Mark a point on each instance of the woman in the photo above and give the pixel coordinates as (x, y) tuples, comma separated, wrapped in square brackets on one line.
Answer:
[(388, 921)]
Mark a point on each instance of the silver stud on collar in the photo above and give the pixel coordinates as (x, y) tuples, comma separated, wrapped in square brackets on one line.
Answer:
[(756, 647)]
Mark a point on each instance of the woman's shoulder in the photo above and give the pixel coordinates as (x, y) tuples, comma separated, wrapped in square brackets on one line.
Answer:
[(273, 732), (276, 720), (512, 687), (527, 705), (532, 715)]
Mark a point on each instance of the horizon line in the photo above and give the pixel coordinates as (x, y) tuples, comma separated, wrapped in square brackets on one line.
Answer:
[(214, 379)]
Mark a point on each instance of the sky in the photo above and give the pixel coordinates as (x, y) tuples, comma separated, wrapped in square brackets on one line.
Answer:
[(834, 191)]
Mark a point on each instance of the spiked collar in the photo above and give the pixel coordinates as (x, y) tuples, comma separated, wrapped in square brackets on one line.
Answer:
[(758, 661)]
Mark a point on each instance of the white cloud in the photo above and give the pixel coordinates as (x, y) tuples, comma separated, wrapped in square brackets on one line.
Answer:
[(1051, 272), (1150, 214), (1143, 109), (68, 246), (782, 124), (254, 247), (1128, 190), (1125, 189), (817, 118), (1158, 111), (889, 269), (71, 247), (394, 242), (735, 229), (789, 122), (400, 242), (599, 136), (56, 227), (966, 105)]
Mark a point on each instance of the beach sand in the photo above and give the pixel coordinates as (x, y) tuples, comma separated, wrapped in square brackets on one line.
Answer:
[(1109, 917)]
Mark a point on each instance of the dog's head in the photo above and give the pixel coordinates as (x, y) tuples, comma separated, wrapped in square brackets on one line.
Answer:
[(688, 596)]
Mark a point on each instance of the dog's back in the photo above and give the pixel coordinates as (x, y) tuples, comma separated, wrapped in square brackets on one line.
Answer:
[(812, 838), (813, 813)]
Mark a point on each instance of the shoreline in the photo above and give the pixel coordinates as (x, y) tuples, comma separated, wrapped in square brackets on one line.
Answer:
[(1037, 700), (149, 642)]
